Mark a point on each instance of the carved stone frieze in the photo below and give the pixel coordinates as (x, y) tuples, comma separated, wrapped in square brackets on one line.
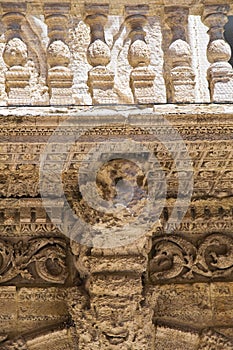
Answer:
[(62, 339), (175, 258), (86, 260), (35, 260)]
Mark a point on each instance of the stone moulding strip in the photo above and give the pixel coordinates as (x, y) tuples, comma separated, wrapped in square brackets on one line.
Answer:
[(117, 8)]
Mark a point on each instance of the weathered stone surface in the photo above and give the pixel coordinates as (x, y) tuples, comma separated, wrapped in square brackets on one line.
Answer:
[(170, 338), (116, 220), (184, 304), (222, 299)]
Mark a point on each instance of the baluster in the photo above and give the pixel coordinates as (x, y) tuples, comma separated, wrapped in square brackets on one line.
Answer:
[(141, 77), (15, 55), (60, 76), (100, 78), (181, 76), (220, 73)]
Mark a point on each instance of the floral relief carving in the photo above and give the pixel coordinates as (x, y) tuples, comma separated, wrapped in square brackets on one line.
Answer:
[(171, 257), (46, 254), (174, 257)]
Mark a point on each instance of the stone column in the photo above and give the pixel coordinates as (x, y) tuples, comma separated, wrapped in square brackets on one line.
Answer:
[(60, 76), (15, 55), (141, 77), (181, 78), (220, 73), (100, 78)]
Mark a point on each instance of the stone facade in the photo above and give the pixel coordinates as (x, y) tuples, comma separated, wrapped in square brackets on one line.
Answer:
[(116, 128)]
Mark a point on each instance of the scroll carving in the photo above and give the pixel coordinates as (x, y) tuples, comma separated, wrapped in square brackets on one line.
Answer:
[(47, 255), (215, 256), (173, 257)]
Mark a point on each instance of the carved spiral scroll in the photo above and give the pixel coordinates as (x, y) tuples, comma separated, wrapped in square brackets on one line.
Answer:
[(47, 255), (215, 256), (174, 257), (50, 262)]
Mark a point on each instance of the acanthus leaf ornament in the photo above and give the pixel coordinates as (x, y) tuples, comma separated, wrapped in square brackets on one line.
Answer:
[(215, 256), (173, 257), (47, 254)]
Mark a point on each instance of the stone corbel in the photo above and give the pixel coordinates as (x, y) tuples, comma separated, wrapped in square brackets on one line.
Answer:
[(181, 78), (220, 73), (141, 77), (114, 284), (100, 78), (60, 76), (15, 54)]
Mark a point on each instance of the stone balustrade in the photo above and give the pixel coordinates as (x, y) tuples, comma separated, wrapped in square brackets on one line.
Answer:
[(83, 53)]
